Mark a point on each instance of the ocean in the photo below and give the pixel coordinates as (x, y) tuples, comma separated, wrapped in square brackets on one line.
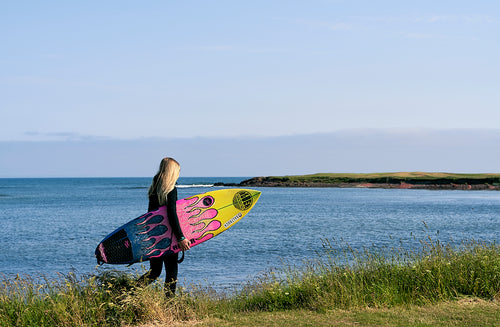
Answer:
[(50, 226)]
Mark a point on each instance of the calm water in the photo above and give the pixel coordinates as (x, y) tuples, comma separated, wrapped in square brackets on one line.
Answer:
[(54, 225)]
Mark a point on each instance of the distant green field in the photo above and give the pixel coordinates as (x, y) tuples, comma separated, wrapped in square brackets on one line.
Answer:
[(414, 175), (395, 177)]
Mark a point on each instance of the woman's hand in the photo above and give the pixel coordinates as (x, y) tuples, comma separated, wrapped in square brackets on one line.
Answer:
[(184, 245)]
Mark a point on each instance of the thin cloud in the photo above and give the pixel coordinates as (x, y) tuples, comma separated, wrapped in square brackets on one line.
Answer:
[(30, 79), (327, 25), (422, 36), (332, 26), (61, 136), (357, 150), (428, 19), (238, 49), (469, 19), (216, 48)]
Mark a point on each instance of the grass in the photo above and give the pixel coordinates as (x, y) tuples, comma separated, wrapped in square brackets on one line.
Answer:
[(393, 177), (467, 312), (433, 284), (415, 174)]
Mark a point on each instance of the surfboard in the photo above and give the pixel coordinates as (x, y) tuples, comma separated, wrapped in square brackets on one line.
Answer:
[(201, 218)]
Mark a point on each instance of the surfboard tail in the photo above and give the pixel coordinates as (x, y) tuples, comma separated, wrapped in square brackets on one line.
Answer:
[(100, 255), (116, 248)]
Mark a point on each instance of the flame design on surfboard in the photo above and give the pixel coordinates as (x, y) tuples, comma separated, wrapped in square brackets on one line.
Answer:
[(200, 230), (201, 217)]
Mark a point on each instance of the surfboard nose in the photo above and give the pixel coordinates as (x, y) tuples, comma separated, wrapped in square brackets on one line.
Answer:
[(255, 196)]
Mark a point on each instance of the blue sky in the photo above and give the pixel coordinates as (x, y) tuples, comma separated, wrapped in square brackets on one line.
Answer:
[(247, 70)]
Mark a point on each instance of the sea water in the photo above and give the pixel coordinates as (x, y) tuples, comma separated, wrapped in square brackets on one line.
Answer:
[(51, 226)]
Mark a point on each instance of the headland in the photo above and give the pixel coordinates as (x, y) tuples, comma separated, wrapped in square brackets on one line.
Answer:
[(398, 180)]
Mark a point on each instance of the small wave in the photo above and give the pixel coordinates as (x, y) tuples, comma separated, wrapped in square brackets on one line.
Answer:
[(194, 185), (178, 186)]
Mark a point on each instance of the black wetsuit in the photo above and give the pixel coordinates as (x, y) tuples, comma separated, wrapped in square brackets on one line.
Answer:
[(170, 260)]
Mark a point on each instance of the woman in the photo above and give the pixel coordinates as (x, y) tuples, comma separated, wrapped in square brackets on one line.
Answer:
[(163, 192)]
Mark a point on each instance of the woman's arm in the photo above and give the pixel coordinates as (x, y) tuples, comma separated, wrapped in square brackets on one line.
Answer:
[(174, 220)]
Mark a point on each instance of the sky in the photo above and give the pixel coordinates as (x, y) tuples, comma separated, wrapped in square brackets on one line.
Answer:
[(281, 78)]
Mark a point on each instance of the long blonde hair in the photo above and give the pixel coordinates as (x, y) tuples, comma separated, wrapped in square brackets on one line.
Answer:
[(165, 179)]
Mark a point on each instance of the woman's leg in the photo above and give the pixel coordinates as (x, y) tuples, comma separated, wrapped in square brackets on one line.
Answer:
[(171, 268), (155, 266)]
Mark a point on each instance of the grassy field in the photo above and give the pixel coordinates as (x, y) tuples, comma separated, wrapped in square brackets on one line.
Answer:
[(417, 178), (399, 176), (435, 284), (415, 175), (464, 312)]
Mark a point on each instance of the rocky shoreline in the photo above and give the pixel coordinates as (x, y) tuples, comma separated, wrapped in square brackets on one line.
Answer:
[(477, 185)]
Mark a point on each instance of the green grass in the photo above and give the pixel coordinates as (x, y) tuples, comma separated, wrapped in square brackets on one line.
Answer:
[(379, 278), (396, 177), (415, 175), (465, 312), (365, 286)]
